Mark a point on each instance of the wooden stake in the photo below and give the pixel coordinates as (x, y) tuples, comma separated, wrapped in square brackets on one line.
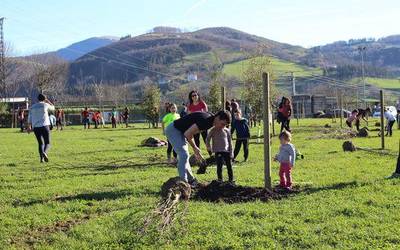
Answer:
[(267, 137), (382, 120)]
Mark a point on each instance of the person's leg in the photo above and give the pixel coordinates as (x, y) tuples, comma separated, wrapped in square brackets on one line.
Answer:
[(282, 176), (238, 145), (288, 175), (228, 163), (174, 153), (348, 124), (358, 124), (204, 135), (39, 138), (246, 149), (46, 139), (169, 150), (283, 124), (180, 145), (390, 128), (196, 138), (288, 125), (220, 162)]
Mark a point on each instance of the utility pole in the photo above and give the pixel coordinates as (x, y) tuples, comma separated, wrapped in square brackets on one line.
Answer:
[(362, 50), (2, 61), (293, 84)]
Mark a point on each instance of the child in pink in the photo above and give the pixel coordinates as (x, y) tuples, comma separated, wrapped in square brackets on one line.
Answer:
[(286, 157), (351, 118)]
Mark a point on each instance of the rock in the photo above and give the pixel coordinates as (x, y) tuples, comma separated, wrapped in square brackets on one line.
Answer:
[(364, 132), (348, 146), (176, 186)]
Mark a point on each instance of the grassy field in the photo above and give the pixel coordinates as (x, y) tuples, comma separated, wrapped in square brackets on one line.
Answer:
[(280, 67), (100, 185), (385, 83)]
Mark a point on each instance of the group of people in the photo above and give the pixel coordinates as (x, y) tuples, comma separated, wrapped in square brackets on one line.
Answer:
[(56, 119), (362, 114), (97, 118), (184, 129)]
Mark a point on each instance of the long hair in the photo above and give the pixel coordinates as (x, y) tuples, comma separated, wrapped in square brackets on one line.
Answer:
[(190, 96)]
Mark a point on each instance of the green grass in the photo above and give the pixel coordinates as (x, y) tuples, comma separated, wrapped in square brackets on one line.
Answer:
[(280, 67), (385, 83), (102, 203)]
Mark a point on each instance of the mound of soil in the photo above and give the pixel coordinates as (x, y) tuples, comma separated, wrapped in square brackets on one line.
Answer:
[(364, 132), (227, 192), (175, 187), (348, 146), (153, 142)]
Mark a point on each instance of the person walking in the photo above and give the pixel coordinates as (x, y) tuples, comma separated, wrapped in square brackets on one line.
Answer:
[(285, 112), (170, 117), (21, 118), (39, 122), (125, 117), (241, 126), (85, 118), (59, 118), (196, 104), (181, 132)]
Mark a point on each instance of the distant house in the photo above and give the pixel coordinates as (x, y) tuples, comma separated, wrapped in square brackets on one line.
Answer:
[(191, 77)]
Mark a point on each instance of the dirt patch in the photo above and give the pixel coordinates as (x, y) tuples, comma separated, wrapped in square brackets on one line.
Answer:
[(30, 238), (216, 191), (153, 142), (329, 133)]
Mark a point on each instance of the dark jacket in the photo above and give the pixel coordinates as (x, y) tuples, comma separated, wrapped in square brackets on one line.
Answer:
[(241, 127)]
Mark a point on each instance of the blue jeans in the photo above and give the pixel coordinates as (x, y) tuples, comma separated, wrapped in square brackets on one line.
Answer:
[(181, 147)]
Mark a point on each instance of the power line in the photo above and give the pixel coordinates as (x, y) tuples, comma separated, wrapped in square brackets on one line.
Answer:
[(2, 61)]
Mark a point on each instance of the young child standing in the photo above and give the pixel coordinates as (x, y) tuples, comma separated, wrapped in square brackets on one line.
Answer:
[(167, 120), (286, 157), (222, 147), (241, 126)]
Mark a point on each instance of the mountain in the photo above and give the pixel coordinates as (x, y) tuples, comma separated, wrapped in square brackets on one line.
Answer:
[(76, 50), (173, 55), (378, 53)]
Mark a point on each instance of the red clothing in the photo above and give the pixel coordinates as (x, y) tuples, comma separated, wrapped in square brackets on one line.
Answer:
[(286, 110), (285, 174), (200, 107), (85, 114)]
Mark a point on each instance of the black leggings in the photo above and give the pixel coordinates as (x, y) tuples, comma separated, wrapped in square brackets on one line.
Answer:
[(285, 124), (238, 145), (169, 150), (222, 157), (43, 137), (197, 138)]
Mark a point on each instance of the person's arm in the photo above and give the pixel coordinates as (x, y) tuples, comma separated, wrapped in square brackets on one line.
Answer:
[(208, 140), (29, 122), (194, 129), (205, 107), (292, 155), (50, 105)]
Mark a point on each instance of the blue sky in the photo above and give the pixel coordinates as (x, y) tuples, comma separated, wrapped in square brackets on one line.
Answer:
[(38, 26)]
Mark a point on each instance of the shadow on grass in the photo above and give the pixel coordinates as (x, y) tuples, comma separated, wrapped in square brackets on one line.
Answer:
[(335, 186), (90, 196)]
